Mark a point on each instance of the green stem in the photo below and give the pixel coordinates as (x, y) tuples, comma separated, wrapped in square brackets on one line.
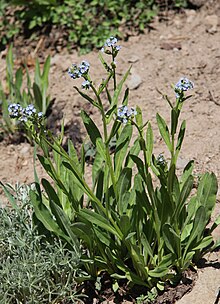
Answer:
[(108, 157), (113, 67), (143, 145)]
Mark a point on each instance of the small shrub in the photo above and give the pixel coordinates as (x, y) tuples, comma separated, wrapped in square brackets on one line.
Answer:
[(33, 268)]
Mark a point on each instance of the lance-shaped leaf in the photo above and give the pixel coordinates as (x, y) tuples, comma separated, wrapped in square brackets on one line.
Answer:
[(121, 148), (45, 216), (91, 128), (98, 220), (38, 97), (206, 194), (149, 143), (85, 96), (123, 185), (184, 194), (180, 137), (62, 218), (164, 131), (199, 225), (138, 117), (172, 240), (119, 88)]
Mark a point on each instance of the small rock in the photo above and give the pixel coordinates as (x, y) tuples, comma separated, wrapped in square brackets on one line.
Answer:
[(133, 59), (25, 150), (181, 163), (134, 80), (211, 22), (191, 14), (170, 46)]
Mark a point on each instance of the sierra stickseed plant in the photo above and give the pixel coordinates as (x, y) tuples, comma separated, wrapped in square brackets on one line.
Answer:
[(125, 224)]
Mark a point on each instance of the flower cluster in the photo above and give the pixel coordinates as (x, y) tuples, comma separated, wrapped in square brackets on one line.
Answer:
[(161, 160), (124, 113), (182, 85), (77, 71), (86, 84), (112, 43), (24, 114)]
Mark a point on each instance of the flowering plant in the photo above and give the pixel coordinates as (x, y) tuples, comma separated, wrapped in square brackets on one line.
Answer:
[(22, 101), (125, 223)]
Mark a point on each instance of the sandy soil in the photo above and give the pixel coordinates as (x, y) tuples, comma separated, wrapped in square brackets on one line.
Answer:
[(187, 44)]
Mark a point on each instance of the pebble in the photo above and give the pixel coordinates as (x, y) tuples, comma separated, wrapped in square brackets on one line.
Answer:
[(133, 59), (211, 22), (134, 80), (25, 149)]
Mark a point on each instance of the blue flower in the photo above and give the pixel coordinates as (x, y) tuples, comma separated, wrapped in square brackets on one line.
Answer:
[(24, 114), (86, 84), (182, 85), (29, 110), (77, 71), (124, 113), (15, 110), (111, 43)]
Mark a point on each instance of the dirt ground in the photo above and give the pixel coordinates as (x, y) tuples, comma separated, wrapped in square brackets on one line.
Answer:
[(185, 44)]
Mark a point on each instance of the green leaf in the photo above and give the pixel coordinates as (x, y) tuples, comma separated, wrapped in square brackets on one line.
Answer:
[(97, 166), (121, 149), (124, 225), (123, 185), (18, 78), (149, 143), (9, 196), (186, 173), (50, 191), (45, 215), (119, 88), (140, 165), (164, 131), (174, 120), (46, 70), (199, 225), (38, 97), (204, 243), (147, 248), (73, 154), (91, 128), (181, 136), (172, 240), (206, 194), (100, 146), (138, 117), (158, 272), (184, 194), (98, 220), (85, 96), (135, 150), (62, 218)]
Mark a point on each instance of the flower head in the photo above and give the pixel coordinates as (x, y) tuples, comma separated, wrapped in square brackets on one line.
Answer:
[(161, 160), (77, 71), (86, 84), (24, 114), (182, 85), (29, 110), (15, 110), (111, 43), (124, 113)]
